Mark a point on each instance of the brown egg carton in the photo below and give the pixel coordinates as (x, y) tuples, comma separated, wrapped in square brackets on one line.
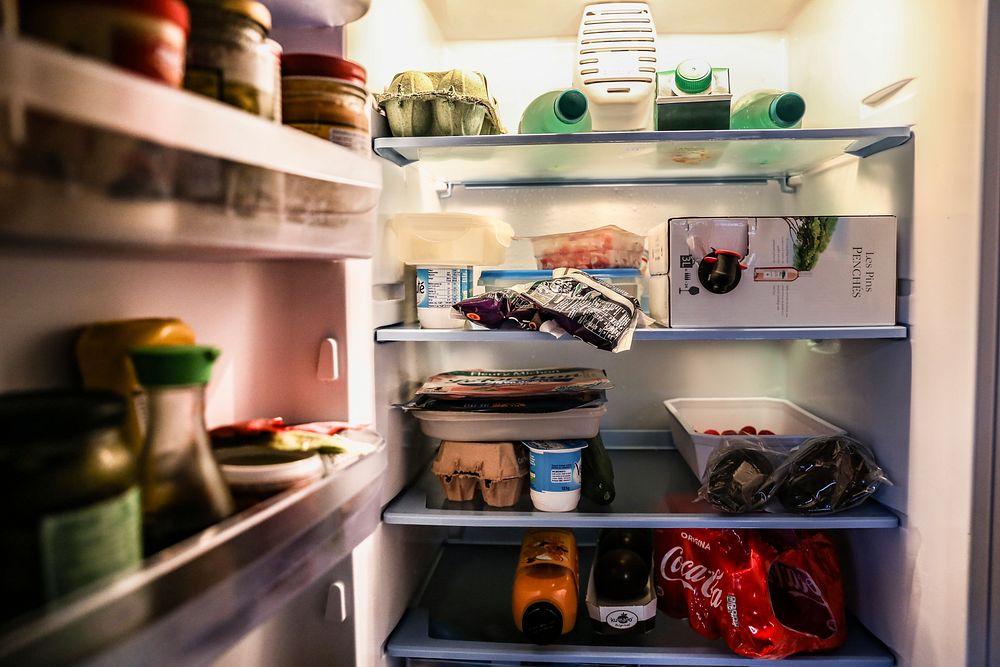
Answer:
[(498, 469), (434, 104)]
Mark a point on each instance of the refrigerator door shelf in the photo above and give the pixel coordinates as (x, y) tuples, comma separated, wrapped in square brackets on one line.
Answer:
[(191, 602), (169, 171)]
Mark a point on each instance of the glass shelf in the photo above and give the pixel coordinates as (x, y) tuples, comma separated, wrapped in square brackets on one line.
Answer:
[(415, 333), (92, 155), (464, 615), (634, 157), (191, 602), (648, 483)]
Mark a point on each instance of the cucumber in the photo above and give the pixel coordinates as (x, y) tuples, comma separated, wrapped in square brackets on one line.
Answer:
[(598, 483)]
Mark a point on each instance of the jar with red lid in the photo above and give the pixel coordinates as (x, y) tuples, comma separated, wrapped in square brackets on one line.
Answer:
[(326, 96), (145, 36)]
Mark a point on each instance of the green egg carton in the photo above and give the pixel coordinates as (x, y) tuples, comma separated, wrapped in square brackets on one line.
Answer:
[(440, 104)]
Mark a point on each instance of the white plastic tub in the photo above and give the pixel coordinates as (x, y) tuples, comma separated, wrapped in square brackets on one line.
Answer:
[(691, 417), (451, 239), (578, 423)]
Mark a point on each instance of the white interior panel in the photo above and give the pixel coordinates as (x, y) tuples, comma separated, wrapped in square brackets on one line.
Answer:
[(519, 19), (267, 317)]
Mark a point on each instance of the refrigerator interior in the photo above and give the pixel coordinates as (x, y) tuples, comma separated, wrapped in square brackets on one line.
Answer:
[(857, 64)]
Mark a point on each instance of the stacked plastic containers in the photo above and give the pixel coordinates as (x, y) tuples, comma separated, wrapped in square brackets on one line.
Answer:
[(503, 430), (444, 248)]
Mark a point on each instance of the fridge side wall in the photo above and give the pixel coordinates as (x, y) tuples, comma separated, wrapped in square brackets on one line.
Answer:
[(911, 583)]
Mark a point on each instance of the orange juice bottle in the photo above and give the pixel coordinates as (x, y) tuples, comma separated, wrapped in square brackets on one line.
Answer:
[(546, 584)]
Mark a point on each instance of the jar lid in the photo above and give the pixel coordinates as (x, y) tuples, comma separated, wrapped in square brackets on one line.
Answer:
[(693, 76), (317, 64), (47, 413), (172, 10), (173, 365), (250, 9)]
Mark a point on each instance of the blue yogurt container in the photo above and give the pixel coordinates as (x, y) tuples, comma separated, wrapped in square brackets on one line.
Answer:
[(555, 473)]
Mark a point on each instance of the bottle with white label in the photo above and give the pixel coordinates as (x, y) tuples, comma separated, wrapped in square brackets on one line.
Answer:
[(438, 288)]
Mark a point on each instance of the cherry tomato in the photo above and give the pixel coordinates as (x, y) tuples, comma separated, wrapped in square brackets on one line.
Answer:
[(764, 431), (748, 430), (729, 431), (711, 431)]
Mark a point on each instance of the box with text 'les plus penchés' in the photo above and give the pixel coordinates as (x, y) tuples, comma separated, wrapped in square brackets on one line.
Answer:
[(794, 271)]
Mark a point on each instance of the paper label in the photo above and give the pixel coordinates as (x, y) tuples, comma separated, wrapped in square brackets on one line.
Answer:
[(82, 546), (442, 287), (555, 471)]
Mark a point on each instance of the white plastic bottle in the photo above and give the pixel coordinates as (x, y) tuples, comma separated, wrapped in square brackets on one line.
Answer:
[(616, 65)]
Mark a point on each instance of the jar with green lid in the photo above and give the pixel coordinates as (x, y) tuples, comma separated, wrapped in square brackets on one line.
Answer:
[(183, 491), (228, 58), (70, 494)]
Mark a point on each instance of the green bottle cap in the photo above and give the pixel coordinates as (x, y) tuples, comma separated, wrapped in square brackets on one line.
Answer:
[(571, 106), (173, 365), (787, 109), (693, 76)]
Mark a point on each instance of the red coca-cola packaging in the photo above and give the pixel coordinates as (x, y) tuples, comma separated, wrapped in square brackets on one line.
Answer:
[(768, 593)]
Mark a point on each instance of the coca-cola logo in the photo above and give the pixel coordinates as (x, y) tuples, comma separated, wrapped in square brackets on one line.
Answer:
[(621, 619), (694, 577)]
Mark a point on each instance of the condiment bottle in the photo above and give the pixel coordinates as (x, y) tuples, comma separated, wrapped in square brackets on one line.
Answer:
[(102, 357), (69, 492), (183, 491), (546, 585)]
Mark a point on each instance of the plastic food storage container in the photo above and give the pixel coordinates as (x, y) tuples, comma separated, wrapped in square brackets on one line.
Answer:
[(451, 239), (578, 423), (691, 417), (326, 96), (627, 280), (607, 247)]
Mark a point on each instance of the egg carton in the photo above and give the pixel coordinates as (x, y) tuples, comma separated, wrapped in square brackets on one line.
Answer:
[(440, 104)]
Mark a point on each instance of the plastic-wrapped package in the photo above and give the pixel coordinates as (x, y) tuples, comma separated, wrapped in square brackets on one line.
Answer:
[(767, 593), (570, 302), (742, 475), (829, 474)]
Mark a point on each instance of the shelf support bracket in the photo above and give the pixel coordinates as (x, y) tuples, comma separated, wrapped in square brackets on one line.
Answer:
[(788, 185), (447, 190)]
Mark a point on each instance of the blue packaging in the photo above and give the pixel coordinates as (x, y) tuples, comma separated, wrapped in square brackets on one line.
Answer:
[(555, 465)]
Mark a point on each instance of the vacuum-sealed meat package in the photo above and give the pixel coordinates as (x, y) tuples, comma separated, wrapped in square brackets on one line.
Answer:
[(570, 302), (742, 475), (767, 593)]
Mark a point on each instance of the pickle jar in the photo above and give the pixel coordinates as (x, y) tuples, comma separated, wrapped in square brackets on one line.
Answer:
[(326, 96), (71, 493), (228, 58)]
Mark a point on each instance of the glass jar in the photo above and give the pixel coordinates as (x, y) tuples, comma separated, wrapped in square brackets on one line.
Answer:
[(227, 56), (145, 37), (70, 493), (183, 491), (326, 96)]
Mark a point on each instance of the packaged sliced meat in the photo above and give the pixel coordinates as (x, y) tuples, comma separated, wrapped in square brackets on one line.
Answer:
[(829, 474), (742, 475), (501, 384), (570, 302), (767, 593)]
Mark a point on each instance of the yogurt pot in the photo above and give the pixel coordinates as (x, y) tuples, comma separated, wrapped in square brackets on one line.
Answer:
[(554, 473), (438, 288)]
